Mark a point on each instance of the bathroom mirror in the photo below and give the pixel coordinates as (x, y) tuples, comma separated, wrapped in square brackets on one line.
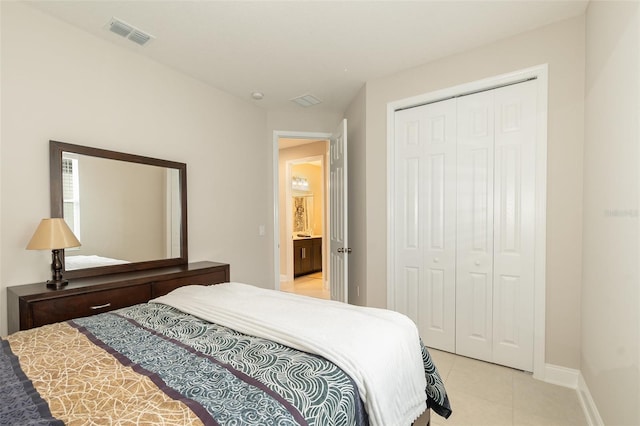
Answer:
[(128, 211), (303, 215)]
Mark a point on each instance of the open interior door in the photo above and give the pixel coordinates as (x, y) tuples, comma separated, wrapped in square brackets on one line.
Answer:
[(338, 248)]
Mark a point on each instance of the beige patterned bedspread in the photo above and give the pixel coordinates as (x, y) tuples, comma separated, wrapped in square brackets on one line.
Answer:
[(95, 392)]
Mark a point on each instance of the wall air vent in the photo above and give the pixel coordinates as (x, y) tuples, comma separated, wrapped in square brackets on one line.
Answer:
[(128, 31), (306, 100)]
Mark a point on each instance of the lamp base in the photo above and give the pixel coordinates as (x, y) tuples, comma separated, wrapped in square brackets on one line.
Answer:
[(56, 280), (57, 284)]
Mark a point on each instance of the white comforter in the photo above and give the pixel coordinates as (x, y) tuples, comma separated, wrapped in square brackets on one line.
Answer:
[(378, 348), (72, 262)]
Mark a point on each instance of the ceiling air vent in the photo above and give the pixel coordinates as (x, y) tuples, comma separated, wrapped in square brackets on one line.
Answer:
[(306, 100), (134, 34), (139, 37)]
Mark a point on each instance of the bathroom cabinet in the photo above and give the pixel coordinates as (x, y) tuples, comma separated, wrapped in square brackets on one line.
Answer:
[(307, 256)]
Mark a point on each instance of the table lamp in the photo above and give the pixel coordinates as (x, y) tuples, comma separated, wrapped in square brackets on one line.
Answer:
[(53, 234)]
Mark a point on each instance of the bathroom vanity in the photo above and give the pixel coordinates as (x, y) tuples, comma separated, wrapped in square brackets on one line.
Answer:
[(307, 255)]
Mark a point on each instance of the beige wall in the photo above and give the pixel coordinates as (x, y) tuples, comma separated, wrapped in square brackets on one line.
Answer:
[(560, 45), (300, 119), (122, 209), (611, 280), (60, 83)]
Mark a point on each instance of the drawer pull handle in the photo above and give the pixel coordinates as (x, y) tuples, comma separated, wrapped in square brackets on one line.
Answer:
[(106, 305)]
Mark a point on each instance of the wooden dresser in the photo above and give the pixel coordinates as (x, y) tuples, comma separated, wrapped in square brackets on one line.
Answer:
[(34, 305)]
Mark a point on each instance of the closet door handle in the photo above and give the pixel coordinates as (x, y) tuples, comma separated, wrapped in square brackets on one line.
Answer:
[(304, 252), (477, 262)]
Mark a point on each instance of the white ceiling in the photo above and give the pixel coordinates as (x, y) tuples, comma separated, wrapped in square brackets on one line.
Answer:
[(289, 48)]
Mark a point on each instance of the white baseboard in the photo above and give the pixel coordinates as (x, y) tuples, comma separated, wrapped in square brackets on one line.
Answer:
[(571, 378), (588, 405), (561, 376)]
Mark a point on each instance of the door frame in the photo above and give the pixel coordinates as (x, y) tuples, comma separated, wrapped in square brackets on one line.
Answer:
[(277, 135), (539, 72)]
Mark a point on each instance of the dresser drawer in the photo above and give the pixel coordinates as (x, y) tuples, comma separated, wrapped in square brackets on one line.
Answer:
[(82, 305), (34, 305), (160, 288)]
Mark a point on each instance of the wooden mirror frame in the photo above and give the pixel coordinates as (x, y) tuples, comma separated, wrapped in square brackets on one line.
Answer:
[(55, 174)]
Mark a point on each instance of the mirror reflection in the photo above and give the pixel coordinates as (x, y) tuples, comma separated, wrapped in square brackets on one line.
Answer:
[(121, 212), (306, 185), (128, 211), (303, 215)]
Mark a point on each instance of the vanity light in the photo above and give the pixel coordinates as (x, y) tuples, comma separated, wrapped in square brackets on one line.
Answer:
[(300, 183), (53, 234)]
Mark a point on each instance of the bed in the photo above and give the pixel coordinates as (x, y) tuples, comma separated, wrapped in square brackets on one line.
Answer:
[(229, 354), (73, 262)]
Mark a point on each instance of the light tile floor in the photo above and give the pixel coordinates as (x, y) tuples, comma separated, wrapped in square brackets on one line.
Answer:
[(307, 285), (482, 393), (487, 394)]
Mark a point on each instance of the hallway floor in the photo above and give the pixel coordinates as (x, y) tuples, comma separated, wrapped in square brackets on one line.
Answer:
[(307, 285)]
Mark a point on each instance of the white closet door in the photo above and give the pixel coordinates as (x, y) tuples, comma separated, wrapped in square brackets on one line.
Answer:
[(425, 220), (409, 134), (474, 271), (438, 296), (514, 225), (464, 223)]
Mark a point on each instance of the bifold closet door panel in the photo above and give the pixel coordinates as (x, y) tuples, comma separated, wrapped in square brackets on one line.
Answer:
[(474, 230), (425, 209), (514, 225)]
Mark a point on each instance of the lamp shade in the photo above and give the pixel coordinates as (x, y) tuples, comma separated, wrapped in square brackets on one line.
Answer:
[(53, 234)]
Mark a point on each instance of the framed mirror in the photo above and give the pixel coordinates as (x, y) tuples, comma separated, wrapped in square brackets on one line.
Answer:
[(128, 211)]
